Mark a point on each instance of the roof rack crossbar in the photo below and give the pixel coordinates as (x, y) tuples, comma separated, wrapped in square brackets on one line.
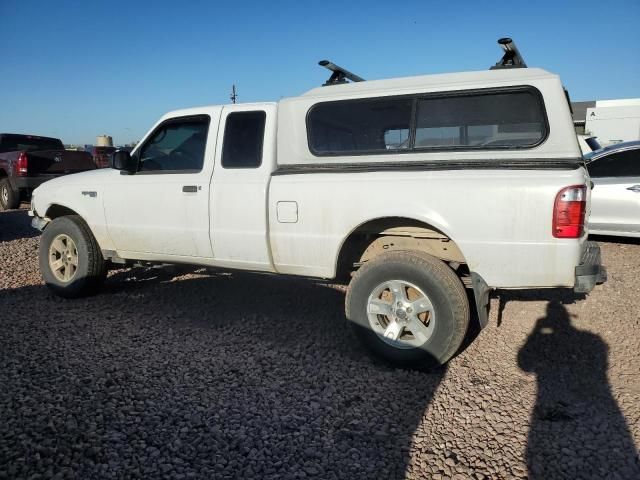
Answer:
[(511, 57), (339, 75)]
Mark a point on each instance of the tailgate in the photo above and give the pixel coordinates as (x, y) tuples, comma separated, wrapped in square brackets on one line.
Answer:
[(58, 162)]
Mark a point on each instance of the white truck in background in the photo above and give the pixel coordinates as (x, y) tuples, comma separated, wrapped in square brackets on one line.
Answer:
[(411, 189)]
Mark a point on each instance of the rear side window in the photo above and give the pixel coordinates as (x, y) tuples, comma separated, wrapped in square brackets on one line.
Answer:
[(514, 119), (358, 126), (621, 164), (483, 120), (243, 139)]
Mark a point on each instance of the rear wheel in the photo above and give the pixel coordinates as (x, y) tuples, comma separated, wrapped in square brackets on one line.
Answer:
[(408, 308), (9, 198), (70, 260)]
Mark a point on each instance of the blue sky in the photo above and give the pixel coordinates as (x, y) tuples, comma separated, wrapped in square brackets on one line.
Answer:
[(78, 69)]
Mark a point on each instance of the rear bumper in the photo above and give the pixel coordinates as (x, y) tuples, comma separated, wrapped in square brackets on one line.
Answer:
[(29, 183), (590, 272)]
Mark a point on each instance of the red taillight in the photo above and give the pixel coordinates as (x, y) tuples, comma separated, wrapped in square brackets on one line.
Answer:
[(22, 164), (568, 212)]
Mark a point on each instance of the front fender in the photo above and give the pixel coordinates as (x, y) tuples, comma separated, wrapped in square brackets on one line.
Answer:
[(87, 207)]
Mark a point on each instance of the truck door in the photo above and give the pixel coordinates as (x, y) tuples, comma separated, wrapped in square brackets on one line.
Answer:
[(245, 159), (163, 209)]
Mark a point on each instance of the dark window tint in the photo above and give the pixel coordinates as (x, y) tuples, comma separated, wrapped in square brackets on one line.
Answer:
[(621, 164), (503, 119), (356, 126), (12, 143), (176, 146), (243, 138), (512, 119)]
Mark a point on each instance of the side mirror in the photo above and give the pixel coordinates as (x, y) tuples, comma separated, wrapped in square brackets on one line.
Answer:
[(123, 161)]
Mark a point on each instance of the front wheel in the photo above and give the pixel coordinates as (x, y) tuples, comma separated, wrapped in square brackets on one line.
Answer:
[(71, 262), (408, 308)]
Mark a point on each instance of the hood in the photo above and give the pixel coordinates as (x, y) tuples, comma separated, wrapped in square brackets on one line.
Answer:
[(67, 190), (90, 177)]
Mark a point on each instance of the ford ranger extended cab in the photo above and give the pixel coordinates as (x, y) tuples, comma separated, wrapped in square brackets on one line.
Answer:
[(410, 188), (26, 161)]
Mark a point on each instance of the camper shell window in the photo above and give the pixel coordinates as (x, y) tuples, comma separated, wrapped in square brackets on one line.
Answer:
[(506, 118)]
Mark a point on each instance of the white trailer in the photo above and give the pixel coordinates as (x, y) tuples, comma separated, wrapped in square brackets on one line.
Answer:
[(614, 121)]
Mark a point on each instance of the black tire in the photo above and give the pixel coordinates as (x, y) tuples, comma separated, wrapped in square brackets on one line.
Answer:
[(91, 269), (437, 281), (9, 198)]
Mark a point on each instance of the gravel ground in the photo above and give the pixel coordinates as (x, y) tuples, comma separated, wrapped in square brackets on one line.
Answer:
[(176, 374)]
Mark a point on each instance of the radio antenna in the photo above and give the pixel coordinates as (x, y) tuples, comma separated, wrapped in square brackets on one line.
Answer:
[(234, 95)]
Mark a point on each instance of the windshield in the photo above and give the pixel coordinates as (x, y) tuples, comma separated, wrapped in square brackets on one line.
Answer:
[(12, 143)]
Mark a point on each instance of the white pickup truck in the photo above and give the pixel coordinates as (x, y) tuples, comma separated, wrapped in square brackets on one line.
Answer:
[(410, 188)]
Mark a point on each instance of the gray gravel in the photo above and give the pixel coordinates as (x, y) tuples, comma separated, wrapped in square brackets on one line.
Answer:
[(171, 373)]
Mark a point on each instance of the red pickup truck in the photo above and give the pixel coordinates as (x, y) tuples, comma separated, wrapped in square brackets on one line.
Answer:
[(26, 161)]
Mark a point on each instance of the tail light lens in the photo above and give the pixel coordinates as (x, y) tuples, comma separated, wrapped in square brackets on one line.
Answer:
[(568, 212), (22, 165)]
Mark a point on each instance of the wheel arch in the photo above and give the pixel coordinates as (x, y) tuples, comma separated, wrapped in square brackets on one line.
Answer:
[(56, 210), (420, 234), (93, 219)]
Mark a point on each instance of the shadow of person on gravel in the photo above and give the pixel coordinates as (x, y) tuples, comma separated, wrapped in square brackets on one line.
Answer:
[(15, 224), (564, 296), (577, 429), (212, 376)]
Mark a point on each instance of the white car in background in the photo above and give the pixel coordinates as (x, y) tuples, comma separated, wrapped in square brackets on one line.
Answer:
[(615, 198)]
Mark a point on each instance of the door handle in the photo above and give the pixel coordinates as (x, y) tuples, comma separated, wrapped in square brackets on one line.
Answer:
[(635, 188), (189, 188)]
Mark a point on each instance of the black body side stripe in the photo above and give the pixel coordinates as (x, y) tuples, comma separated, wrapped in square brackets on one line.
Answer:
[(496, 164)]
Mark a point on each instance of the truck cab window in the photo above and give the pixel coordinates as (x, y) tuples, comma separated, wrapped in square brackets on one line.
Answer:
[(243, 138), (177, 146)]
